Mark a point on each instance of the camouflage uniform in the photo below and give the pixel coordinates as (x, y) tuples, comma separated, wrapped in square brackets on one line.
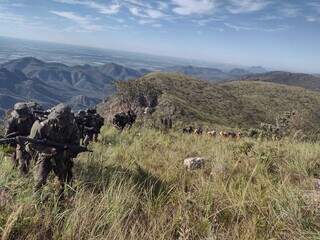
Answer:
[(122, 119), (90, 123), (19, 124), (60, 127)]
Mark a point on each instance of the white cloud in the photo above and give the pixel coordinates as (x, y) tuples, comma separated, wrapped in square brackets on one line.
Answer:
[(146, 13), (138, 3), (189, 7), (269, 17), (162, 5), (150, 22), (110, 9), (313, 19), (289, 10), (206, 21), (315, 6), (85, 23), (157, 25), (247, 6), (260, 29)]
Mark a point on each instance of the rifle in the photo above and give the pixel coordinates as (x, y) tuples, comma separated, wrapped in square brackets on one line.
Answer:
[(46, 143), (12, 135)]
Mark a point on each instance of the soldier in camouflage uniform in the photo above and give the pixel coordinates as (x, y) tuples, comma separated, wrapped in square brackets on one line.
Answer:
[(19, 124), (89, 123), (60, 127)]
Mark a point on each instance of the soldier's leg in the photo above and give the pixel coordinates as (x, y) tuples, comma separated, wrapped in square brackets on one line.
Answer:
[(24, 159), (61, 171), (14, 160), (86, 140), (95, 137), (44, 167)]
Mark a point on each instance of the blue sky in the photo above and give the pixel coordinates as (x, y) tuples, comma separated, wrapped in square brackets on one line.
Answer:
[(279, 34)]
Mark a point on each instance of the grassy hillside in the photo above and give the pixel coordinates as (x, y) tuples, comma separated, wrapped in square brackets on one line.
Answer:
[(242, 104), (307, 81), (134, 186)]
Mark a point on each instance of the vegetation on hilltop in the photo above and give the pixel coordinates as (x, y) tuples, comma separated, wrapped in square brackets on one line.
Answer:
[(242, 104), (134, 186), (307, 81)]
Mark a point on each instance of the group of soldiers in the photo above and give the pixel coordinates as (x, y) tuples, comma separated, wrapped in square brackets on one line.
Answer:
[(51, 138)]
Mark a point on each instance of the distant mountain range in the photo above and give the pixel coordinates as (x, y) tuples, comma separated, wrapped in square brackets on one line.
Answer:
[(50, 83), (214, 74), (303, 80), (82, 86)]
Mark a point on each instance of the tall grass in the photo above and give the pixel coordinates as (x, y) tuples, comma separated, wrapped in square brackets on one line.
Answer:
[(134, 186)]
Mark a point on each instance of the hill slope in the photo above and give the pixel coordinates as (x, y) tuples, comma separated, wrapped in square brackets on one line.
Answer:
[(307, 81), (242, 104), (213, 74)]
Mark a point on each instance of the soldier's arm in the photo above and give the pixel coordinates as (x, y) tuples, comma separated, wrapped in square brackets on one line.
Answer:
[(38, 131), (11, 126), (75, 136)]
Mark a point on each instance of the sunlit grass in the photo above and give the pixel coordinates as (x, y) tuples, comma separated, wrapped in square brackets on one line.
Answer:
[(134, 186)]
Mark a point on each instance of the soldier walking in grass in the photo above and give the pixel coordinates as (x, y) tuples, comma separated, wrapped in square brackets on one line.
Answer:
[(19, 124), (60, 127), (89, 123)]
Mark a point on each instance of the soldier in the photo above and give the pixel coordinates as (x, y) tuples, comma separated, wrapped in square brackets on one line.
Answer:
[(122, 119), (81, 119), (90, 124), (93, 125), (60, 127), (37, 110), (19, 124)]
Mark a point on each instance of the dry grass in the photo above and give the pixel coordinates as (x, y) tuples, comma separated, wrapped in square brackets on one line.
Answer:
[(134, 186)]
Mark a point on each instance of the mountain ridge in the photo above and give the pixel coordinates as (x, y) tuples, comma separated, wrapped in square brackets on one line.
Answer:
[(50, 83), (237, 104)]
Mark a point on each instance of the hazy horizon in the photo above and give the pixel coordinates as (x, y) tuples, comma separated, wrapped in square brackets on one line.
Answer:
[(280, 35)]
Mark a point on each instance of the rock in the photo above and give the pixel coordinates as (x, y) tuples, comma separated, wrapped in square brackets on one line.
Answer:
[(148, 110), (317, 184), (194, 163)]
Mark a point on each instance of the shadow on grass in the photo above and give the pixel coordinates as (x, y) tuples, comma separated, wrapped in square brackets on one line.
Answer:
[(98, 178)]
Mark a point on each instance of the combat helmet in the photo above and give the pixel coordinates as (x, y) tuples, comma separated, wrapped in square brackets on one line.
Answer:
[(60, 112), (34, 106), (21, 109), (81, 113), (92, 111)]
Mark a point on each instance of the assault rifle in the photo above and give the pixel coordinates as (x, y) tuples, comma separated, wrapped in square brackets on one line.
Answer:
[(46, 143)]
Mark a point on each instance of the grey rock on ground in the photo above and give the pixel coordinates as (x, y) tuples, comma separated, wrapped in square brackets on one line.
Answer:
[(194, 163)]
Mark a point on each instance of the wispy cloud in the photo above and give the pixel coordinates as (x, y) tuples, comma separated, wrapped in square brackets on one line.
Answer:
[(109, 9), (247, 6), (315, 6), (237, 27), (289, 10), (313, 19), (146, 13), (189, 7), (7, 17), (206, 21), (269, 17), (84, 22)]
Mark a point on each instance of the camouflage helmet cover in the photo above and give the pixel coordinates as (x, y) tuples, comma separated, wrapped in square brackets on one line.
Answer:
[(81, 113), (34, 105), (92, 110), (60, 111), (21, 108)]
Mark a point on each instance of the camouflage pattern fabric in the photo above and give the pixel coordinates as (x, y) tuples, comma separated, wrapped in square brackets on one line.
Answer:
[(20, 123), (60, 127)]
